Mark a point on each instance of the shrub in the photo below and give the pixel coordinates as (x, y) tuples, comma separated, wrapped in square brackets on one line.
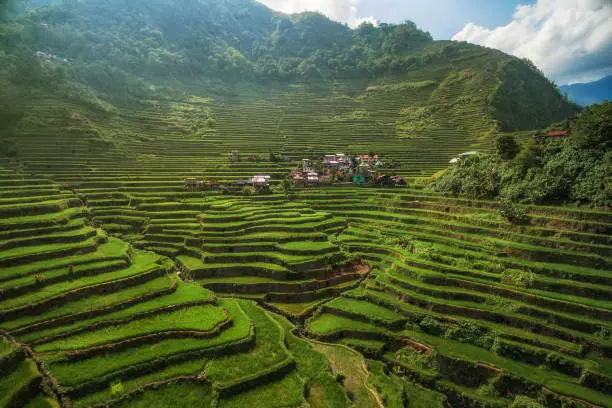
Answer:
[(507, 147), (431, 254), (340, 377), (516, 277), (512, 213), (502, 304), (116, 388), (524, 402), (431, 326), (336, 258), (248, 191), (466, 332)]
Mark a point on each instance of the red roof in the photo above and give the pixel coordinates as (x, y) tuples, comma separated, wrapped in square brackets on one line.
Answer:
[(564, 133)]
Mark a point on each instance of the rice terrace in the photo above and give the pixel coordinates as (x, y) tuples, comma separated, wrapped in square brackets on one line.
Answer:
[(208, 203)]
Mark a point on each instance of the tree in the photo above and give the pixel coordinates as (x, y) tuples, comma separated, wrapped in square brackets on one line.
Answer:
[(507, 147), (593, 128), (512, 213)]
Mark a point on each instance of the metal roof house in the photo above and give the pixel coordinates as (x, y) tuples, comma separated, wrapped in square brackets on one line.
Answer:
[(463, 156)]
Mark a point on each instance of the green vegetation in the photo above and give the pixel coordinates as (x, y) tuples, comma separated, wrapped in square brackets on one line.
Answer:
[(574, 170), (132, 289)]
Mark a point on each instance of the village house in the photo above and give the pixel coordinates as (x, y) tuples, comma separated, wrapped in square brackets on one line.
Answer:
[(370, 160), (297, 178), (551, 136), (260, 182), (312, 178), (335, 160), (359, 179)]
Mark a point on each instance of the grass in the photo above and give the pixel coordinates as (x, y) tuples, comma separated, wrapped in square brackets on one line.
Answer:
[(185, 293), (42, 401), (327, 323), (369, 311), (388, 386), (283, 393), (143, 262), (89, 303), (70, 373), (25, 372), (269, 349), (183, 394), (197, 318), (188, 368), (114, 249)]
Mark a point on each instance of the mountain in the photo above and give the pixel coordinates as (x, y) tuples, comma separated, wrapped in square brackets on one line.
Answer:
[(590, 93), (136, 50)]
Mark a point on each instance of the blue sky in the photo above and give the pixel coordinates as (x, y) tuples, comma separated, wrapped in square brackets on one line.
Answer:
[(570, 40), (442, 18)]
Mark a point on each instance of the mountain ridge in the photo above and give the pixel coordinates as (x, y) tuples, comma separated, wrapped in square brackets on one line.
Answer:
[(125, 50), (591, 92)]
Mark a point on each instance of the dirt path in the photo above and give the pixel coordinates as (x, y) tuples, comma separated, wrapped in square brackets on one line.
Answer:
[(353, 365)]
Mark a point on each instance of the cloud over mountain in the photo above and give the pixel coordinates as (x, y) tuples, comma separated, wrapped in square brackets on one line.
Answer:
[(570, 40), (344, 11)]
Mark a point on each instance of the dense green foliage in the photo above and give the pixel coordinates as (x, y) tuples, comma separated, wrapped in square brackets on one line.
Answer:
[(120, 51), (578, 169)]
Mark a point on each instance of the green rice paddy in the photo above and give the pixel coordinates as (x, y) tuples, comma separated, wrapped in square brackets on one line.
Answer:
[(121, 288)]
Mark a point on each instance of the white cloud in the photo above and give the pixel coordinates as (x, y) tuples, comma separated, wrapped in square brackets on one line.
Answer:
[(570, 40), (344, 11)]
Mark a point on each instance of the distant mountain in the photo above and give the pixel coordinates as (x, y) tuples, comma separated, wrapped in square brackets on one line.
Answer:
[(590, 93)]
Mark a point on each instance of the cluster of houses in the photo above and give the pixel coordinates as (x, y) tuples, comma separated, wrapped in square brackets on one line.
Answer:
[(362, 169), (261, 184), (51, 57)]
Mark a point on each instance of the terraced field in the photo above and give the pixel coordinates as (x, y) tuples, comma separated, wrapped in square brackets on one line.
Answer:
[(134, 291), (471, 307), (120, 288), (419, 122)]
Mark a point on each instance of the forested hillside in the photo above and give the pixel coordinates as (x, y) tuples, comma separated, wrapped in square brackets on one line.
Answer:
[(125, 51)]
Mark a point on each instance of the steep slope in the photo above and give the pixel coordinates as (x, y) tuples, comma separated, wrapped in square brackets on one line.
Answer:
[(126, 51)]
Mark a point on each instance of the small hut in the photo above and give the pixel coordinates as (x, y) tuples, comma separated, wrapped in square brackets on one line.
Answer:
[(261, 182)]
